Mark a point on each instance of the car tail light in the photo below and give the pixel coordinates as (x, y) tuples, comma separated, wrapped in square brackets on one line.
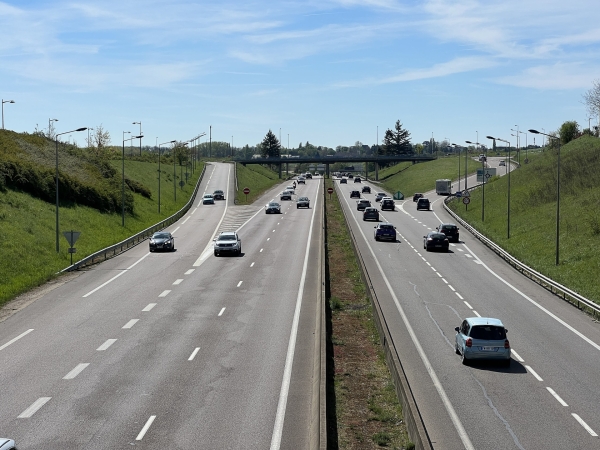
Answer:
[(506, 343), (469, 342)]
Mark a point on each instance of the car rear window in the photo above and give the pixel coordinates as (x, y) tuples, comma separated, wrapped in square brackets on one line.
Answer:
[(387, 227), (488, 332), (449, 227)]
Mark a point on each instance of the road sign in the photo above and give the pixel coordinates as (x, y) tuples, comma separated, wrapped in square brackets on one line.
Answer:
[(246, 190), (458, 194), (330, 191), (466, 200), (398, 196), (466, 193), (71, 236)]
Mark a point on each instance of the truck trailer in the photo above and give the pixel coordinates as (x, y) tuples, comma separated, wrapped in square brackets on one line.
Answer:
[(443, 187)]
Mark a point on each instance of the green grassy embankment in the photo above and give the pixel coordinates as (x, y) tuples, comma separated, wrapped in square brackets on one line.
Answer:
[(258, 178)]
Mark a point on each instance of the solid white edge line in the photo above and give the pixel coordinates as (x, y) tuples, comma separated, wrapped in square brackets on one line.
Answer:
[(34, 407), (130, 324), (13, 340), (194, 353), (117, 276), (584, 425), (289, 360), (534, 373), (149, 307), (76, 371), (145, 429), (556, 396), (107, 344)]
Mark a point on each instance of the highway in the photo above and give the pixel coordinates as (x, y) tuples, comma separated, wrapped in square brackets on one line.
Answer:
[(182, 349), (547, 399)]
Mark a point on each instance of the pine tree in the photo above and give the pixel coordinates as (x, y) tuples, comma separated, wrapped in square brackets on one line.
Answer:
[(270, 146), (396, 142)]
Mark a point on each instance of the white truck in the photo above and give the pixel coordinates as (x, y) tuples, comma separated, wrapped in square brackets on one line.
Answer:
[(443, 187)]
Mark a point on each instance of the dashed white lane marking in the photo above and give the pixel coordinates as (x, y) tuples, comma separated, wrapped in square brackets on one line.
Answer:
[(164, 293), (477, 261), (76, 371), (240, 283), (534, 373), (428, 263), (222, 311), (460, 249), (273, 231), (476, 313), (252, 265), (188, 218), (268, 239), (459, 296), (190, 271), (516, 355), (34, 407), (145, 429), (584, 425), (468, 256), (130, 324), (194, 210), (261, 250), (438, 274), (177, 281), (444, 280), (194, 353), (433, 268), (450, 286), (468, 306), (13, 340), (175, 230), (556, 396), (107, 344)]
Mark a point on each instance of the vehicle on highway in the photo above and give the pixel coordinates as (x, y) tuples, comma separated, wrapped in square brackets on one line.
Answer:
[(303, 202), (380, 195), (162, 240), (371, 213), (308, 175), (385, 231), (272, 208), (502, 163), (366, 190), (354, 194), (286, 195), (228, 242), (301, 180), (291, 188), (219, 195), (350, 176), (357, 180), (423, 203), (434, 240), (7, 444), (344, 180), (417, 196), (208, 199), (450, 230), (388, 203), (362, 204), (482, 338)]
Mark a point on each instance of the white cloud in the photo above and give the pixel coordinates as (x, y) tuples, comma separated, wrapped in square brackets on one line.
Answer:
[(557, 76)]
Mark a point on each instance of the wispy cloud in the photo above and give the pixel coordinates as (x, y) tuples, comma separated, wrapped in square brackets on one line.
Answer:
[(557, 76)]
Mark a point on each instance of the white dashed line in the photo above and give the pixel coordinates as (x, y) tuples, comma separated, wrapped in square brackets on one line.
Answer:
[(252, 265), (145, 429), (438, 274), (13, 340), (175, 230), (468, 256), (476, 313), (107, 344), (268, 239), (76, 371), (459, 296), (34, 407), (584, 425), (129, 324), (189, 271), (556, 396), (240, 283), (194, 353), (450, 286), (183, 223), (427, 263), (149, 307), (468, 306), (178, 281), (534, 373), (261, 250), (164, 293), (516, 355), (444, 280), (222, 311)]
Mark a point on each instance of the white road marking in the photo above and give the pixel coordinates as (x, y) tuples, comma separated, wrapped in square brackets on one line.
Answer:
[(476, 313), (252, 265), (268, 239), (460, 249), (164, 293), (450, 286), (145, 429), (13, 340), (173, 232), (76, 371), (130, 324), (439, 274), (261, 250), (468, 306), (444, 280), (240, 283), (149, 307), (556, 396), (534, 373), (107, 344), (516, 355), (34, 407), (190, 271), (194, 353), (459, 296), (468, 256), (117, 275), (273, 232), (187, 218), (178, 281), (221, 312), (584, 425), (427, 263), (194, 210)]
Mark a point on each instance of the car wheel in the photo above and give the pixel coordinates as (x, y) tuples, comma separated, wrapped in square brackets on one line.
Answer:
[(151, 250), (464, 360), (216, 253), (456, 348), (376, 238)]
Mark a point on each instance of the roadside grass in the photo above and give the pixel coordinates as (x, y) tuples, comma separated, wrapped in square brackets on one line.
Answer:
[(258, 178), (367, 409), (391, 170)]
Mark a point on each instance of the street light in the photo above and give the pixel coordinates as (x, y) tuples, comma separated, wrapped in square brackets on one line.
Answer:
[(88, 130), (3, 102), (557, 190), (455, 147), (49, 126), (169, 142), (482, 176), (508, 207), (56, 176), (140, 124), (123, 176)]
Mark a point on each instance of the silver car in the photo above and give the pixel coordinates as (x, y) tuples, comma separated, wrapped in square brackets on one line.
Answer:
[(482, 338), (228, 242), (7, 444)]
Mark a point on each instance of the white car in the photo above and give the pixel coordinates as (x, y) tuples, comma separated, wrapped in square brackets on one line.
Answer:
[(502, 162), (228, 242)]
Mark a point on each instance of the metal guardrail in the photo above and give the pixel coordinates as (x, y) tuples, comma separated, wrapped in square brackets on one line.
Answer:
[(113, 250), (556, 288)]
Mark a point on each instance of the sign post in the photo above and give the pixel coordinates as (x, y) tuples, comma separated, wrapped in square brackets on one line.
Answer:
[(71, 237), (246, 191), (330, 191)]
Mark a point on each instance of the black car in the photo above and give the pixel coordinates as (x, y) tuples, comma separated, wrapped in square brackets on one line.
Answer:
[(417, 196), (450, 230), (362, 204), (272, 208), (385, 231), (388, 203), (423, 203), (344, 181), (371, 213), (286, 195), (435, 241), (357, 179), (303, 202), (354, 194), (219, 195), (162, 240), (379, 196), (366, 190)]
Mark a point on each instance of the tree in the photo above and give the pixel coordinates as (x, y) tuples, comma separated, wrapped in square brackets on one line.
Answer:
[(270, 146), (592, 99), (568, 131), (396, 142)]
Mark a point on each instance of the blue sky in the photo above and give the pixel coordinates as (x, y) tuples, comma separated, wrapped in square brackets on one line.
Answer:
[(331, 72)]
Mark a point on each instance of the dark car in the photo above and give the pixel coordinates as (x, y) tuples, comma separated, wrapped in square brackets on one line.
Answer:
[(362, 204), (388, 203), (357, 180), (350, 175), (308, 175), (286, 195), (344, 181), (434, 240), (219, 195), (423, 203), (228, 242), (417, 196), (366, 190), (380, 195), (450, 230), (354, 194), (303, 202), (371, 213), (162, 240), (385, 231), (273, 208)]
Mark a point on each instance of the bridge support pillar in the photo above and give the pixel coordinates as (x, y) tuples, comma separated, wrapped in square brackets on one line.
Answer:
[(327, 170), (280, 170), (376, 171)]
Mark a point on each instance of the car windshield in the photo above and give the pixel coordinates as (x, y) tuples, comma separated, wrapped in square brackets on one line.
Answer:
[(227, 237), (218, 192), (273, 204), (161, 236), (208, 196), (488, 332), (303, 199)]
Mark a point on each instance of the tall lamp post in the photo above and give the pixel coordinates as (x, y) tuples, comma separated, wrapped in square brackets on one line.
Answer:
[(140, 124), (56, 176), (508, 207), (168, 142), (458, 147), (3, 102), (557, 190), (482, 177), (50, 126), (123, 176)]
